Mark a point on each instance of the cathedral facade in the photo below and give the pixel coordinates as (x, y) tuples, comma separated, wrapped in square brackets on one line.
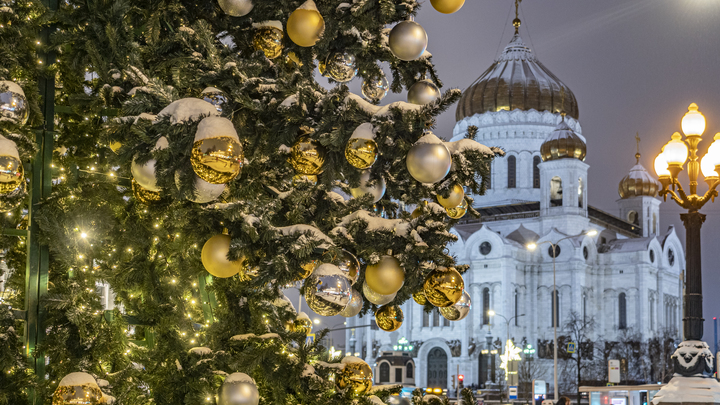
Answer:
[(624, 276)]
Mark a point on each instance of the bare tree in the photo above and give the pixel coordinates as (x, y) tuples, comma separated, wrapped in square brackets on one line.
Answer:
[(528, 370), (660, 348), (579, 329)]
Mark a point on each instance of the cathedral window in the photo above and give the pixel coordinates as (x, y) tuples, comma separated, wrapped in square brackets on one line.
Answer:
[(652, 256), (485, 248), (556, 194), (426, 319), (398, 375), (446, 322), (511, 163), (409, 370), (671, 257), (517, 307), (580, 192), (554, 250), (652, 314), (436, 317), (486, 305), (586, 253), (632, 217), (584, 307), (622, 311), (654, 223), (384, 372), (556, 315), (536, 171)]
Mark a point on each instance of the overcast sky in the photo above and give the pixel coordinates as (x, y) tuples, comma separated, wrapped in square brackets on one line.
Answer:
[(633, 65)]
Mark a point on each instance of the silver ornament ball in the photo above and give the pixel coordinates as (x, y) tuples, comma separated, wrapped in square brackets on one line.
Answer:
[(428, 162), (408, 40), (236, 8), (144, 174), (341, 66), (458, 311), (328, 291), (354, 306), (238, 389), (377, 191), (375, 89), (215, 97), (13, 104), (423, 92), (375, 298)]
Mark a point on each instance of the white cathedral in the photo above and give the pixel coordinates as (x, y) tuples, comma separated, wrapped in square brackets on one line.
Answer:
[(626, 277)]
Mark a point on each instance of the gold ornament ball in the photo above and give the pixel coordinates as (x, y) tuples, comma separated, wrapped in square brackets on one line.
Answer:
[(428, 162), (377, 190), (11, 174), (459, 211), (407, 40), (457, 194), (13, 103), (307, 156), (341, 66), (236, 8), (305, 26), (292, 59), (303, 324), (346, 262), (356, 376), (423, 92), (385, 277), (327, 290), (144, 195), (459, 310), (214, 257), (217, 160), (389, 318), (77, 388), (304, 178), (115, 146), (307, 267), (419, 297), (443, 287), (354, 306), (269, 40), (361, 153), (447, 6), (375, 89), (14, 200), (416, 213), (375, 298)]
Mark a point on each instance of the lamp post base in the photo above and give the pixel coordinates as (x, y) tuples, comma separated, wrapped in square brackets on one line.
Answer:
[(692, 383)]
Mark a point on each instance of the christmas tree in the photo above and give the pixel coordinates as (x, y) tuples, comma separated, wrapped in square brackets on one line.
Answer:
[(186, 167)]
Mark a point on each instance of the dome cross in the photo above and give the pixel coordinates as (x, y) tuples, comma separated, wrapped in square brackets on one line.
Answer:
[(516, 21)]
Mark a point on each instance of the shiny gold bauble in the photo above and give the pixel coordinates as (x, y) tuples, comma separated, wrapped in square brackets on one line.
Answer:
[(416, 213), (346, 262), (356, 376), (214, 257), (443, 287), (447, 6), (307, 267), (269, 40), (13, 200), (144, 195), (361, 153), (389, 317), (385, 277), (341, 66), (428, 162), (354, 306), (458, 311), (307, 156), (305, 26), (11, 174), (292, 59), (407, 40), (13, 103), (302, 324), (217, 160), (459, 211), (328, 291), (419, 297), (457, 194), (77, 388)]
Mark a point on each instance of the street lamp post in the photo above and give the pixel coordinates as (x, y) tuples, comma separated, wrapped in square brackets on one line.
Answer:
[(507, 333), (692, 358), (554, 246)]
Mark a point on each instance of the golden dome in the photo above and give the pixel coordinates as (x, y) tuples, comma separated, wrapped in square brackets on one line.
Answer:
[(563, 143), (517, 80), (638, 183)]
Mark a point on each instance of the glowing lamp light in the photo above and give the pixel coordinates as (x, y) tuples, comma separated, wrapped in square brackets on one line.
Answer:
[(676, 151), (661, 165), (532, 246), (491, 312), (693, 123), (591, 232), (711, 159)]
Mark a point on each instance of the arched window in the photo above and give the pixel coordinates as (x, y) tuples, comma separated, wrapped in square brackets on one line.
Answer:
[(580, 192), (622, 311), (436, 317), (409, 370), (426, 319), (556, 315), (584, 307), (446, 322), (486, 305), (556, 194), (654, 227), (384, 372), (652, 314), (536, 171), (511, 162), (517, 307)]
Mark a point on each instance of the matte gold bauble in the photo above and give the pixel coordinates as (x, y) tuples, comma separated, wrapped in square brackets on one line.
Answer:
[(305, 25), (361, 153), (459, 310), (11, 173), (307, 156), (214, 257), (457, 194), (217, 160), (356, 376), (447, 6), (269, 40), (443, 287), (385, 277), (428, 162), (375, 298), (77, 388), (389, 317), (459, 211), (236, 8), (419, 297), (407, 40), (423, 92), (144, 195)]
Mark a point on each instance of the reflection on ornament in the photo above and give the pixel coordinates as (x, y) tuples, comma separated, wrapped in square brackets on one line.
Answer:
[(377, 190), (77, 388), (407, 40), (380, 211), (11, 169), (303, 324), (423, 92), (327, 290), (307, 267), (375, 298), (385, 277), (144, 195), (305, 25), (447, 6), (238, 389), (459, 211), (236, 8), (214, 257), (217, 156), (269, 40), (356, 375), (321, 67), (459, 310), (361, 153), (307, 156), (215, 97), (341, 66), (419, 297), (375, 89), (13, 103), (292, 59), (346, 262), (389, 318), (354, 306), (428, 162), (14, 198), (457, 194), (443, 287)]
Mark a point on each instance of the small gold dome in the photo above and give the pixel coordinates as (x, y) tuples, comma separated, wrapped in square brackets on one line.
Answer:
[(563, 143), (638, 183)]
